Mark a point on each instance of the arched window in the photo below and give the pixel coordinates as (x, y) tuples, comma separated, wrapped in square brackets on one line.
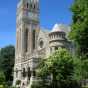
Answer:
[(30, 5), (26, 40), (33, 33), (41, 44), (24, 72), (34, 6), (29, 73), (27, 5)]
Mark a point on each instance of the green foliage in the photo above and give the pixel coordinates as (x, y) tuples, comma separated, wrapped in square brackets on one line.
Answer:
[(1, 86), (85, 69), (79, 32), (77, 69), (2, 78), (38, 84), (7, 62), (18, 82), (61, 67)]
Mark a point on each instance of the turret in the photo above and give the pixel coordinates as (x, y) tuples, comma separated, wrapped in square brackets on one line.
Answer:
[(57, 38)]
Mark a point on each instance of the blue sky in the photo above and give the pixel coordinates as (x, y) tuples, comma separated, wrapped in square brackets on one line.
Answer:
[(51, 12)]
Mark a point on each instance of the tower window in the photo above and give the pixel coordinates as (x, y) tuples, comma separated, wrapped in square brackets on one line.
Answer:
[(26, 40), (33, 39), (27, 5), (34, 6), (29, 73), (30, 5), (24, 72)]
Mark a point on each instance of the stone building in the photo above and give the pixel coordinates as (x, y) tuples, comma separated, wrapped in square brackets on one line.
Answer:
[(33, 43)]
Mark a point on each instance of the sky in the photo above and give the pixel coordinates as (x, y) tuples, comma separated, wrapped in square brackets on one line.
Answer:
[(51, 12)]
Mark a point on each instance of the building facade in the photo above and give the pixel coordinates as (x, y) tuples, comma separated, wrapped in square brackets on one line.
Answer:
[(34, 43)]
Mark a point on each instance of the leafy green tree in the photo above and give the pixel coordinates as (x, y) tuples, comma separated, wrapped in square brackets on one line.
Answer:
[(77, 69), (79, 32), (7, 62), (85, 69), (2, 78), (60, 66)]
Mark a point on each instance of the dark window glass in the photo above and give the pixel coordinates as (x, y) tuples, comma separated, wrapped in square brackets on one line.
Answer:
[(26, 40), (41, 44), (33, 39), (24, 72), (34, 6), (27, 5), (29, 73)]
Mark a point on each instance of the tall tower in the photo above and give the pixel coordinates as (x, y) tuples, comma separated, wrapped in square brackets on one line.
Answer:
[(27, 27)]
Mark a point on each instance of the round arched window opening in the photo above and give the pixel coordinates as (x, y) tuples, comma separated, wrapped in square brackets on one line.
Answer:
[(41, 44)]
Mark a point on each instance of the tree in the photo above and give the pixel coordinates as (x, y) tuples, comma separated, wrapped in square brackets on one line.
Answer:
[(79, 28), (7, 61), (60, 66), (2, 78), (85, 69)]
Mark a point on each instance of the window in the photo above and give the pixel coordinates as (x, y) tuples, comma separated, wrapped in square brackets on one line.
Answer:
[(33, 39), (27, 5), (26, 40), (29, 73), (30, 5), (34, 6), (24, 72), (41, 44)]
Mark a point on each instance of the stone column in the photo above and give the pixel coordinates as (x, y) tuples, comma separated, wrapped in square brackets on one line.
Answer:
[(29, 38), (20, 41), (36, 35), (23, 41), (16, 48)]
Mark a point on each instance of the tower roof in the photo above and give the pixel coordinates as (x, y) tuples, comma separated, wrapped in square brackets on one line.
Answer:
[(61, 28), (58, 28)]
